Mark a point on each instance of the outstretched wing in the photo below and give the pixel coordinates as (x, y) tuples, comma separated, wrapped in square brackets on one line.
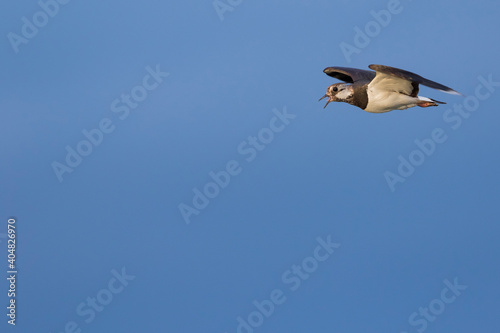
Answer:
[(349, 75), (386, 74)]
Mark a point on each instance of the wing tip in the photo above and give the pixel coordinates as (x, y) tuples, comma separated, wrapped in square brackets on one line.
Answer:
[(452, 92)]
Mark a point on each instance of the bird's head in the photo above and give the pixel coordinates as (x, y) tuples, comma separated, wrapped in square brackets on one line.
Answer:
[(337, 92)]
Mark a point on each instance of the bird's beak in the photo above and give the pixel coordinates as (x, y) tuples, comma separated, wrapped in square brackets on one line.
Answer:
[(329, 100)]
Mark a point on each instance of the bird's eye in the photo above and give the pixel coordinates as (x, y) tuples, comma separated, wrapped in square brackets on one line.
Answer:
[(334, 89)]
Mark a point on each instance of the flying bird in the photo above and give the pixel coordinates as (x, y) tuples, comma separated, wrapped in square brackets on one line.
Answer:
[(382, 90)]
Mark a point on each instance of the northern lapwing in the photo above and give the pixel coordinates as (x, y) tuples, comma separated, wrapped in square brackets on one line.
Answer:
[(382, 90)]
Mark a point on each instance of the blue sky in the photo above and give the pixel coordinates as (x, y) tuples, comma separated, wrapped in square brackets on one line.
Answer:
[(301, 219)]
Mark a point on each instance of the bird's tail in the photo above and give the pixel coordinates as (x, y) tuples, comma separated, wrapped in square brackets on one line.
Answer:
[(428, 102)]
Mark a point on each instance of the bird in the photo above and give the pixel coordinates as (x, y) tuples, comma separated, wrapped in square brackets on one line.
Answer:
[(382, 90)]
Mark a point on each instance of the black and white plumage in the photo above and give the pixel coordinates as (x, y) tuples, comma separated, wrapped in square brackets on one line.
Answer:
[(382, 90)]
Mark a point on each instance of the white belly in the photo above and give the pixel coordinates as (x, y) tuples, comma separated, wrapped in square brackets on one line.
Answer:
[(383, 101)]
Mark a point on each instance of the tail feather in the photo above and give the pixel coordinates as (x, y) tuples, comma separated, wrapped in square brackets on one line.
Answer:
[(430, 100), (437, 101)]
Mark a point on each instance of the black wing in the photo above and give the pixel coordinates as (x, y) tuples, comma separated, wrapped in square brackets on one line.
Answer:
[(349, 75), (412, 77)]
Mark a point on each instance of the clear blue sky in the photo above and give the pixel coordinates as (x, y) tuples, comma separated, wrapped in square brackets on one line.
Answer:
[(159, 98)]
